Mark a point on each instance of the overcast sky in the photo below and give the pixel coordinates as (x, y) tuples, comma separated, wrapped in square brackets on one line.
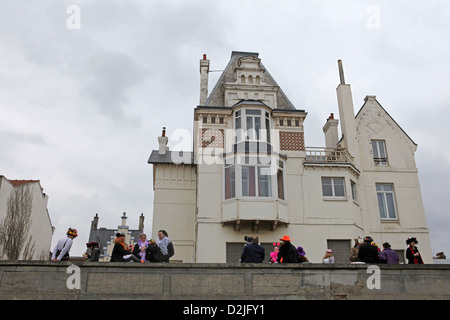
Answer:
[(86, 87)]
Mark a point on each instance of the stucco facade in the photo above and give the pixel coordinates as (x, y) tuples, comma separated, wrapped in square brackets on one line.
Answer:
[(250, 173)]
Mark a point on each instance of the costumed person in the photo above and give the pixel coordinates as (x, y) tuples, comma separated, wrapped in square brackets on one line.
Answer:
[(121, 252), (165, 247), (93, 251), (274, 253), (301, 255), (412, 253), (287, 252), (62, 248), (354, 251), (328, 257), (388, 255), (140, 249), (367, 252)]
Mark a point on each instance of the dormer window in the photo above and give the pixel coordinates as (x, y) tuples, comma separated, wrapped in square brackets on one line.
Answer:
[(252, 125)]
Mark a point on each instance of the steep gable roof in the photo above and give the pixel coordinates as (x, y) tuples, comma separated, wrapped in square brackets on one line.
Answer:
[(217, 95), (368, 100)]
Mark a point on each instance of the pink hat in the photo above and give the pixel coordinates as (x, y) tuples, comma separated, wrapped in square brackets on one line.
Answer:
[(329, 251)]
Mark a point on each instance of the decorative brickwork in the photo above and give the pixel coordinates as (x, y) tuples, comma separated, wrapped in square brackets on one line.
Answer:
[(292, 141), (212, 138)]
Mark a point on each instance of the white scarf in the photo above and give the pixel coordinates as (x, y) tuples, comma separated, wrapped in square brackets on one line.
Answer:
[(162, 244)]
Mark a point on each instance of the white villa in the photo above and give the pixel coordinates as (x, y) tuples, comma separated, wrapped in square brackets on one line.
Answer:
[(37, 241), (250, 174)]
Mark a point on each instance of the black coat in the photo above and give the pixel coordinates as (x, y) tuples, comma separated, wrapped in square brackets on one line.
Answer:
[(410, 255), (368, 253), (287, 253), (253, 252), (118, 252), (156, 255)]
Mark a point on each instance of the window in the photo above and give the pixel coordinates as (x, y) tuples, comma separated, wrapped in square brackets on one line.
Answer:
[(354, 194), (253, 177), (386, 201), (230, 182), (333, 187), (379, 152), (280, 180), (252, 125)]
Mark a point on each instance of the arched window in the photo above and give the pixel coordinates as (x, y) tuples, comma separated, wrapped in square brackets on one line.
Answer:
[(242, 79)]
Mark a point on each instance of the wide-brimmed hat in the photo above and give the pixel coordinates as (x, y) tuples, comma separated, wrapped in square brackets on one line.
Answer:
[(301, 251), (286, 238), (411, 239)]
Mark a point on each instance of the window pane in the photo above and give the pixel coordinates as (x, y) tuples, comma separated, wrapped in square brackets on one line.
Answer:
[(230, 182), (327, 187), (375, 149), (248, 181), (382, 205), (280, 184), (391, 206), (250, 129), (257, 127), (339, 190), (381, 149), (253, 112), (268, 129), (264, 185)]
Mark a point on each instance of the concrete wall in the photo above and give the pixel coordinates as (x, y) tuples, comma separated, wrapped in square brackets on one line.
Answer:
[(178, 281)]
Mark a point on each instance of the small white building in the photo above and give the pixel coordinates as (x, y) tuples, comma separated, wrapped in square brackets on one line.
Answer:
[(250, 174), (40, 226)]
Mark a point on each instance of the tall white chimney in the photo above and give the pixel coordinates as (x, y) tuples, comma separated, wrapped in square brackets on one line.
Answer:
[(204, 70), (347, 117)]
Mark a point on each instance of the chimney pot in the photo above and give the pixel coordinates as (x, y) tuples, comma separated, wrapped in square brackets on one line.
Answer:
[(204, 56)]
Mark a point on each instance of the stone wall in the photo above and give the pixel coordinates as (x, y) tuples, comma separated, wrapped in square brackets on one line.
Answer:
[(185, 281)]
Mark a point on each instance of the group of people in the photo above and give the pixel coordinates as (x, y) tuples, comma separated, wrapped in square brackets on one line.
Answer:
[(367, 251), (364, 251), (143, 251), (283, 252)]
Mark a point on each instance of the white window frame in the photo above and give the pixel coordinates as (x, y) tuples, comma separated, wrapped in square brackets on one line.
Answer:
[(239, 162), (383, 206), (378, 149), (246, 116), (333, 188)]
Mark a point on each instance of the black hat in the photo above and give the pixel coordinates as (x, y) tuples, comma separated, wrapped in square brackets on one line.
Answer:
[(368, 239), (120, 234), (386, 245), (411, 239)]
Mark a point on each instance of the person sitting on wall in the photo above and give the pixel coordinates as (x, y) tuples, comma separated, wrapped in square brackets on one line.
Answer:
[(121, 252), (368, 253), (140, 249), (301, 255), (62, 248), (165, 248), (253, 252), (93, 251), (287, 253)]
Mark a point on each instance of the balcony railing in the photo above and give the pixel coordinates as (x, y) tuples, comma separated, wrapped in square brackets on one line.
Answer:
[(325, 155)]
